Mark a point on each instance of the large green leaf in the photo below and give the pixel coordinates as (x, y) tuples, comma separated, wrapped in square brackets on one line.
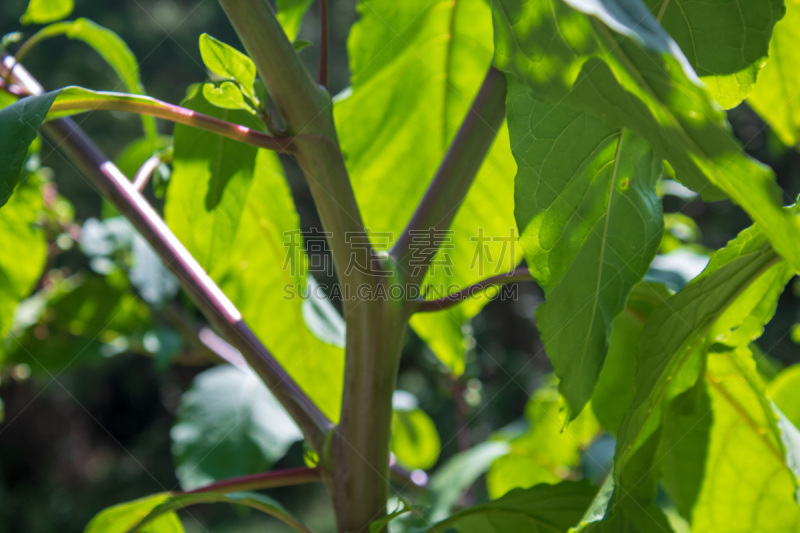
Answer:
[(416, 66), (611, 59), (209, 186), (725, 463), (45, 11), (228, 425), (722, 309), (590, 224), (726, 42), (111, 48), (539, 509), (231, 207), (291, 14), (776, 96), (547, 452)]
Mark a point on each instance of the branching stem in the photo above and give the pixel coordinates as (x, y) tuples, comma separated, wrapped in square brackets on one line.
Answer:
[(518, 274), (264, 480)]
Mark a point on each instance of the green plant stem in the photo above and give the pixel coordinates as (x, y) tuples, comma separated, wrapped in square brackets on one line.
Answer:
[(308, 114), (518, 274), (143, 105), (264, 480), (457, 172)]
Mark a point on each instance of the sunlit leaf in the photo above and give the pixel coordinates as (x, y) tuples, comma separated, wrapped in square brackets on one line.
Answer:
[(726, 42), (123, 517), (226, 95), (589, 225), (776, 96), (416, 67), (415, 441), (227, 62), (725, 465), (784, 390), (612, 59), (45, 11)]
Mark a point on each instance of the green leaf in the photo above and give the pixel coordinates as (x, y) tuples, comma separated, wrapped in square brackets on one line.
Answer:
[(24, 251), (19, 123), (459, 473), (539, 509), (784, 390), (211, 177), (111, 48), (260, 502), (614, 391), (590, 224), (726, 466), (725, 42), (123, 517), (227, 62), (226, 95), (724, 308), (230, 205), (228, 425), (547, 452), (612, 60), (775, 96), (290, 15), (46, 11), (415, 441), (395, 49)]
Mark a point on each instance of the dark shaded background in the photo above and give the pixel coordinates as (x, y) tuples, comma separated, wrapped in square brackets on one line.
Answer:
[(76, 442)]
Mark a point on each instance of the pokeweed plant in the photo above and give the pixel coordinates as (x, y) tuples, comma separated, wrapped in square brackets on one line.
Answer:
[(474, 134)]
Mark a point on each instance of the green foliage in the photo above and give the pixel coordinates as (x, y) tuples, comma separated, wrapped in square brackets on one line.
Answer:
[(626, 70), (608, 102), (775, 95), (45, 11), (228, 425)]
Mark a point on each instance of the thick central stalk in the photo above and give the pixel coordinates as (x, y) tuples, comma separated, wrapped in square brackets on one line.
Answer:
[(360, 449)]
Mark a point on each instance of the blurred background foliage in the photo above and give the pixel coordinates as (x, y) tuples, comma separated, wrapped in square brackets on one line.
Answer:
[(89, 403)]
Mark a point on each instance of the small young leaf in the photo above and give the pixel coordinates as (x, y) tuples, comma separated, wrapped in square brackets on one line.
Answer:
[(227, 62), (301, 44), (226, 95), (46, 11), (123, 518)]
